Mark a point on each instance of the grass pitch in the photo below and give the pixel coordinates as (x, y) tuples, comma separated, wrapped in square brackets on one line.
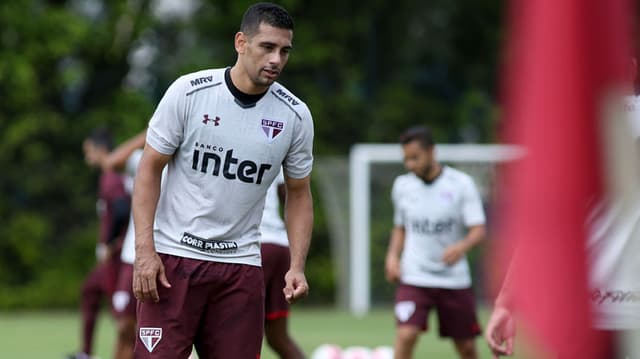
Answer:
[(52, 334)]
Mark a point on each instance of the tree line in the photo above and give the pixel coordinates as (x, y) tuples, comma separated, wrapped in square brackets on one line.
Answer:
[(367, 70)]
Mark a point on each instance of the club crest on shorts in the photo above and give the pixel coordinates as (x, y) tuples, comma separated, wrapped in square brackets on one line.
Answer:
[(150, 337), (404, 310), (272, 128)]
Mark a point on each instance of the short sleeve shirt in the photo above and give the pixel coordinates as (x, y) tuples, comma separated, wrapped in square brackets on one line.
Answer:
[(224, 157), (434, 216)]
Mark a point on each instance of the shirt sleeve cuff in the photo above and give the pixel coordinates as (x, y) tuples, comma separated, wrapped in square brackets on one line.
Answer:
[(159, 143)]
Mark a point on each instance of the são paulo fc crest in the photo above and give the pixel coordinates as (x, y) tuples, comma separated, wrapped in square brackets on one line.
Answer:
[(404, 310), (272, 128), (150, 337)]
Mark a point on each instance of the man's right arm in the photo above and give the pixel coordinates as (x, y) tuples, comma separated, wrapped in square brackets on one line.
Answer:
[(392, 260), (148, 268)]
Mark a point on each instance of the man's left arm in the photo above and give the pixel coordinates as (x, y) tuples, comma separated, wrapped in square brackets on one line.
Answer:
[(298, 214), (454, 252)]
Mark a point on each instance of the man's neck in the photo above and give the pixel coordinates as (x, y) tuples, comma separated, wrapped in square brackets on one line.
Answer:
[(245, 100), (433, 174), (242, 82)]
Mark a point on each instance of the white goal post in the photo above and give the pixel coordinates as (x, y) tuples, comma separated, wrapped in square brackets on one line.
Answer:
[(361, 157)]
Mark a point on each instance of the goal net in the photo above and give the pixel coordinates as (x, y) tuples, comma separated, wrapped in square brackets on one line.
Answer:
[(372, 170)]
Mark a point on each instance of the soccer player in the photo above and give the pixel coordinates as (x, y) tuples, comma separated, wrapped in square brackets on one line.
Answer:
[(224, 133), (275, 261), (126, 158), (113, 211), (438, 218)]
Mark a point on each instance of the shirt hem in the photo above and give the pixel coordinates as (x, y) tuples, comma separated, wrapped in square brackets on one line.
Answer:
[(427, 284), (252, 259)]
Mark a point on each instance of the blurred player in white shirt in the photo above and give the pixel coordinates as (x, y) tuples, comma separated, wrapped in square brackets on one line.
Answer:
[(438, 218)]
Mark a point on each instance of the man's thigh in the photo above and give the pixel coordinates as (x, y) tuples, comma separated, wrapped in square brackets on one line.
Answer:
[(233, 321), (457, 313), (412, 305), (166, 329), (123, 303)]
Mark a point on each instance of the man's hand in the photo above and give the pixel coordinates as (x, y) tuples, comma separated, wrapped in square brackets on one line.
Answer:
[(453, 253), (147, 270), (501, 332), (392, 268), (296, 286)]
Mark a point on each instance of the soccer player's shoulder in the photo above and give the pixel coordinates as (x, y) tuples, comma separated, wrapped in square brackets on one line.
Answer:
[(404, 186), (202, 80), (404, 180), (289, 101), (457, 176)]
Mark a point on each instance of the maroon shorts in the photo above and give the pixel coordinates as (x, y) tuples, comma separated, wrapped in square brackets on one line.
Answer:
[(455, 307), (275, 264), (111, 269), (218, 307), (122, 301), (101, 281)]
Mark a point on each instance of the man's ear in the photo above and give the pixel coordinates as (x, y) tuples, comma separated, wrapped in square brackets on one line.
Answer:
[(240, 42)]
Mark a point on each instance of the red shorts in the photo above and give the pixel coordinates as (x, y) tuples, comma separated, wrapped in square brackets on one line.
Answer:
[(275, 264), (455, 307), (102, 280), (123, 301), (218, 307)]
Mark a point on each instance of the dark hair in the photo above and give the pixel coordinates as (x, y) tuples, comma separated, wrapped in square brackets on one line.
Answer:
[(270, 14), (101, 137), (421, 134)]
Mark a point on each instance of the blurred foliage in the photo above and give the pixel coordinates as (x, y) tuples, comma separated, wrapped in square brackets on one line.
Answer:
[(367, 69)]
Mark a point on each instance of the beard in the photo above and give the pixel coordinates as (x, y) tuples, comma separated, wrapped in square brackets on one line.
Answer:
[(424, 173), (262, 81)]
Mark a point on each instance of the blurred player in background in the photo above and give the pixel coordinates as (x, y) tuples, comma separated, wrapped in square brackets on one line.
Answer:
[(113, 209), (275, 263), (125, 158), (438, 218), (223, 133)]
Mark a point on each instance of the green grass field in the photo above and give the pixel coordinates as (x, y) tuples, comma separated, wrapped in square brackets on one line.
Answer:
[(40, 335)]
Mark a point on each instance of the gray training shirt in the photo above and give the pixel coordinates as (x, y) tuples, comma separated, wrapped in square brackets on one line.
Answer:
[(225, 156)]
